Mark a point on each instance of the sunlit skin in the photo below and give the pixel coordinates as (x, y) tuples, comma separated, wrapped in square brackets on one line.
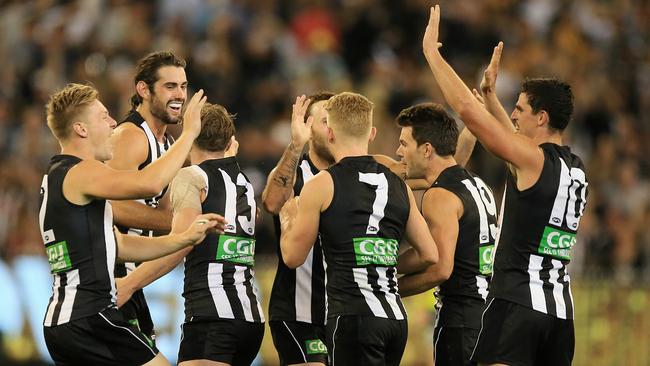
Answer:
[(168, 95), (411, 155), (100, 126), (319, 132)]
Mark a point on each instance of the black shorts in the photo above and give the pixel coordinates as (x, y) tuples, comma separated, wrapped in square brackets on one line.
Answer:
[(516, 335), (106, 338), (299, 342), (136, 311), (454, 345), (365, 340), (233, 341)]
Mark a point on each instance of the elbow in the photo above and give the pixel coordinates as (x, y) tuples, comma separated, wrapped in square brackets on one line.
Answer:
[(466, 110), (431, 258), (291, 261), (270, 206), (152, 187)]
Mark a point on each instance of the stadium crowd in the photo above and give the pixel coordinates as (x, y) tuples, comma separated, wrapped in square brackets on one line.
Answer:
[(255, 56)]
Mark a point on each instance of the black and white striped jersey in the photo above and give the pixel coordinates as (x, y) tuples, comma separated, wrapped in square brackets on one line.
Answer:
[(360, 233), (219, 272), (299, 294), (80, 247), (155, 151), (461, 299), (537, 232)]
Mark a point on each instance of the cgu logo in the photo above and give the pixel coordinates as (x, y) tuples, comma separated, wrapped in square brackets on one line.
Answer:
[(378, 246), (315, 346), (558, 240), (487, 255), (242, 246)]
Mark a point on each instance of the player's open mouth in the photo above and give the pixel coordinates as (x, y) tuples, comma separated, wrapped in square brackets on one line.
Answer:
[(175, 106)]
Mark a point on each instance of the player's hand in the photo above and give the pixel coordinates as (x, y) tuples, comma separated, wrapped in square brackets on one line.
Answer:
[(124, 292), (288, 212), (202, 225), (192, 115), (430, 43), (300, 131), (232, 149), (489, 81), (479, 97)]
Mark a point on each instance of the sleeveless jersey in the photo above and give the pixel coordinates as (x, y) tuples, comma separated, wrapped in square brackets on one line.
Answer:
[(219, 272), (461, 299), (80, 246), (299, 294), (538, 230), (155, 151), (360, 233)]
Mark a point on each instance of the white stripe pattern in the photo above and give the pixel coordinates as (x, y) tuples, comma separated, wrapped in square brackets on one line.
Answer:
[(295, 340), (391, 298), (111, 248), (535, 283), (219, 297), (41, 212), (69, 296), (256, 292), (303, 289), (558, 288), (240, 278), (478, 338), (361, 278), (129, 330), (482, 285), (55, 300), (484, 228)]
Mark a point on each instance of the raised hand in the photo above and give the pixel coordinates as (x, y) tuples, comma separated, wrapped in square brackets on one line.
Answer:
[(430, 41), (489, 81), (202, 225), (192, 115), (300, 131), (479, 97)]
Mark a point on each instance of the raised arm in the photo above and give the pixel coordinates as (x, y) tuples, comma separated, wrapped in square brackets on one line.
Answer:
[(465, 147), (519, 150), (423, 250), (300, 216), (279, 186), (93, 179), (489, 91), (441, 210)]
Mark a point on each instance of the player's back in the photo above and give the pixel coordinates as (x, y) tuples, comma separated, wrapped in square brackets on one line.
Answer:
[(360, 232)]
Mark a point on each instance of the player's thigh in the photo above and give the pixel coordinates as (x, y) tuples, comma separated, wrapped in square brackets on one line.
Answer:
[(559, 344)]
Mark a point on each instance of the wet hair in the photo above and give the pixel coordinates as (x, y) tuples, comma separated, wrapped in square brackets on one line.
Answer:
[(147, 71), (217, 128), (553, 96), (431, 123), (65, 105)]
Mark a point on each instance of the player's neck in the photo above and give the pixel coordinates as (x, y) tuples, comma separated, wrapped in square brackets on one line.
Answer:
[(348, 150), (79, 149), (318, 162), (197, 156), (436, 166), (554, 138), (157, 126)]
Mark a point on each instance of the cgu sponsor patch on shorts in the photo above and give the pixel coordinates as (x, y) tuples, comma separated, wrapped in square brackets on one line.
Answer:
[(485, 259), (378, 251), (315, 346), (236, 249), (556, 243)]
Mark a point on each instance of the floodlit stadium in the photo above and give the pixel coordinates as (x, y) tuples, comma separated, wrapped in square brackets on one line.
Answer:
[(254, 58)]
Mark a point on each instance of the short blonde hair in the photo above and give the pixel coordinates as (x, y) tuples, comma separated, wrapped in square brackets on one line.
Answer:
[(65, 105), (350, 113)]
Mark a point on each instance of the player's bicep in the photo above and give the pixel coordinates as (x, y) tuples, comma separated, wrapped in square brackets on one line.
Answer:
[(311, 200), (183, 219), (91, 178), (417, 233), (186, 189), (440, 209)]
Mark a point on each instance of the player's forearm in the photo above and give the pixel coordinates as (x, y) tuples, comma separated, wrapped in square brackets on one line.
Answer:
[(159, 173), (140, 249), (140, 216), (456, 93), (494, 106), (417, 283), (150, 271), (280, 182), (466, 143), (410, 262)]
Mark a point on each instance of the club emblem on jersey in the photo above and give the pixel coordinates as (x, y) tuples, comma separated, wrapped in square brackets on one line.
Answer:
[(372, 229)]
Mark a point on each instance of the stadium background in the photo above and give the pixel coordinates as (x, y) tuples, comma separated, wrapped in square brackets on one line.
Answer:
[(255, 56)]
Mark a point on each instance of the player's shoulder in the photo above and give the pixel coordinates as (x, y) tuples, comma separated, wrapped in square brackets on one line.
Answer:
[(128, 131)]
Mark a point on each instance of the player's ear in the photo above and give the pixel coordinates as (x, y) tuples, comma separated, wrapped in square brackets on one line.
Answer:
[(80, 129), (142, 89), (330, 135), (543, 118), (373, 134), (428, 150)]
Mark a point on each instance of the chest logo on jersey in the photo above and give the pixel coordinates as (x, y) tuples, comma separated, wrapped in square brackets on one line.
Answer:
[(377, 251), (58, 257), (556, 243), (236, 249), (485, 259), (315, 346)]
